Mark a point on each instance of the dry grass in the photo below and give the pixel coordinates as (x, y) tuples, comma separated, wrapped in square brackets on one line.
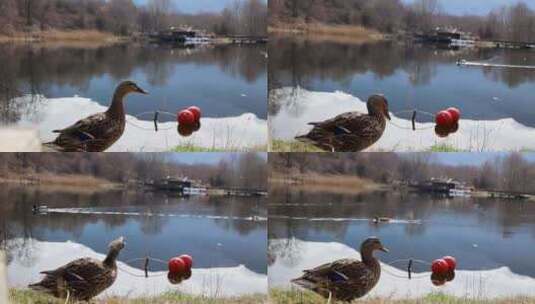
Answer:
[(72, 36), (61, 182), (314, 182), (18, 296), (296, 296), (327, 32)]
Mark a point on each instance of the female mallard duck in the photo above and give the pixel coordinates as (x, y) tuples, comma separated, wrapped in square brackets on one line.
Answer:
[(352, 131), (346, 279), (84, 278), (97, 132)]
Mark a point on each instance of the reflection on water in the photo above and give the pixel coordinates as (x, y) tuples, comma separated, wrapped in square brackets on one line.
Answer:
[(213, 232), (224, 80), (481, 233), (411, 76)]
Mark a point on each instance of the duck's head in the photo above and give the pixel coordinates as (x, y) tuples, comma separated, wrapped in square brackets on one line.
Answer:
[(372, 244), (378, 105), (127, 87), (117, 245)]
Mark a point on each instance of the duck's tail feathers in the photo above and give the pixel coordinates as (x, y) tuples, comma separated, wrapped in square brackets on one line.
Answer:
[(303, 282), (303, 138)]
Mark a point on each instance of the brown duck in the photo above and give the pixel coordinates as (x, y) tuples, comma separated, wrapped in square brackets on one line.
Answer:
[(352, 131), (346, 279), (97, 132), (82, 279)]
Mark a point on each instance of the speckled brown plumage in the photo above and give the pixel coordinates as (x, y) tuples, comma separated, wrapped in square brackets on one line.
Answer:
[(82, 279), (97, 132), (352, 131), (346, 279)]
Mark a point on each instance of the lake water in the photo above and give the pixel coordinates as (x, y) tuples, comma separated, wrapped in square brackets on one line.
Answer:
[(66, 83), (483, 234), (411, 76), (224, 80), (216, 232)]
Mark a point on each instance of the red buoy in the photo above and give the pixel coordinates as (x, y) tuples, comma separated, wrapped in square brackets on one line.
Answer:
[(440, 267), (177, 266), (188, 260), (438, 279), (186, 117), (452, 262), (196, 112), (444, 118), (455, 114)]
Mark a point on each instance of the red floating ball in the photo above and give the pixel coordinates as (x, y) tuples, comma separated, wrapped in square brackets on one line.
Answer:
[(196, 112), (177, 266), (186, 130), (185, 117), (455, 114), (440, 266), (438, 279), (188, 260), (452, 262), (444, 118), (174, 278)]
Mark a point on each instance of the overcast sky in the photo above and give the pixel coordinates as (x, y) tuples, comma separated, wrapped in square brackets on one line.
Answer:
[(478, 7), (197, 6), (472, 158), (205, 158)]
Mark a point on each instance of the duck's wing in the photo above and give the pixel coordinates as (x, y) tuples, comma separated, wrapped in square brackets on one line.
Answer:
[(351, 123), (86, 126), (328, 276), (73, 276), (89, 130)]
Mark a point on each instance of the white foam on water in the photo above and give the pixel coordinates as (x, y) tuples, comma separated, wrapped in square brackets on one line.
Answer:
[(212, 282), (494, 283), (298, 107), (149, 214)]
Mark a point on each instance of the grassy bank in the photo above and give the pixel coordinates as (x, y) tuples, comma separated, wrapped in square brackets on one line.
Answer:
[(301, 297), (74, 36), (194, 148), (292, 146), (314, 182), (18, 296), (327, 32)]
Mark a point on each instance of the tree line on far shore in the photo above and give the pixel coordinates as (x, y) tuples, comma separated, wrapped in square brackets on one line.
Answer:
[(124, 17), (509, 22), (510, 172), (244, 170)]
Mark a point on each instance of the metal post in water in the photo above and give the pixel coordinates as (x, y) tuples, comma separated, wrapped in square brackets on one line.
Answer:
[(146, 267)]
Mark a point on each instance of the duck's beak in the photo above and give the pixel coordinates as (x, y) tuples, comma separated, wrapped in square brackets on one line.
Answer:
[(141, 91), (387, 115), (384, 249)]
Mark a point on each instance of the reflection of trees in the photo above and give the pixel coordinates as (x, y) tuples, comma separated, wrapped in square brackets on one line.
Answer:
[(35, 70)]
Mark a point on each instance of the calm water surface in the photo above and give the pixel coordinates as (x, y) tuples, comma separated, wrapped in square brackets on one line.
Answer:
[(410, 75), (480, 233), (200, 226), (224, 80)]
